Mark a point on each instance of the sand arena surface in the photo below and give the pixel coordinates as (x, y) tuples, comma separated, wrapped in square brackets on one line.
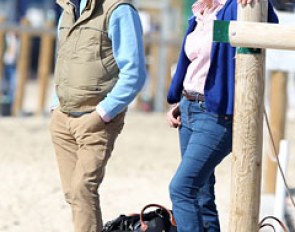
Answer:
[(138, 173)]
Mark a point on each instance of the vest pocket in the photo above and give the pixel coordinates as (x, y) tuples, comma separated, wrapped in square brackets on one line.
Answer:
[(82, 97), (86, 74), (88, 43)]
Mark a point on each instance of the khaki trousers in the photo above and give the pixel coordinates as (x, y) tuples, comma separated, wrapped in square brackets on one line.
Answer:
[(83, 146)]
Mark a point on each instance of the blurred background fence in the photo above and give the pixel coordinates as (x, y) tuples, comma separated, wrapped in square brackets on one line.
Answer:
[(27, 49)]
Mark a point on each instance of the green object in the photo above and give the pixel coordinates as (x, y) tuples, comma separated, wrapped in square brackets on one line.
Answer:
[(187, 8), (187, 12), (248, 51), (220, 31), (221, 34)]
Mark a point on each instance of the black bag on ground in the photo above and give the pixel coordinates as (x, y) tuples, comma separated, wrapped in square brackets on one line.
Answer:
[(158, 220)]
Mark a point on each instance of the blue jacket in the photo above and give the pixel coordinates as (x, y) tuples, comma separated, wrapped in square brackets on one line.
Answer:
[(219, 86)]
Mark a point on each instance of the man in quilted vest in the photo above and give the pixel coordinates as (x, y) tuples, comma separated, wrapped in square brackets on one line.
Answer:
[(99, 70)]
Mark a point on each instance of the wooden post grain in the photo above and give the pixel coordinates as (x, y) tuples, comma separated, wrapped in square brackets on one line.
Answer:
[(278, 105), (22, 68), (247, 130), (263, 35), (153, 69), (45, 65)]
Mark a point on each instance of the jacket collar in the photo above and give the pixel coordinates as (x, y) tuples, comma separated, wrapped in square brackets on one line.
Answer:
[(66, 5)]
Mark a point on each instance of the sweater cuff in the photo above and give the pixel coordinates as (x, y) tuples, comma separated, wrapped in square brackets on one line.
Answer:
[(102, 114)]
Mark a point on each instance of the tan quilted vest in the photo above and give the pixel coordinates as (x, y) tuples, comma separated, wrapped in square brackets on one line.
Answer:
[(85, 67)]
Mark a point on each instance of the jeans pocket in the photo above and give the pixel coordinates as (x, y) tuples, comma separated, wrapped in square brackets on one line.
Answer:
[(180, 104), (198, 107), (96, 121), (89, 123)]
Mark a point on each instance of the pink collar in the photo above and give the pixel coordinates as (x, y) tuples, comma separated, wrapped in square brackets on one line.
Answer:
[(201, 6)]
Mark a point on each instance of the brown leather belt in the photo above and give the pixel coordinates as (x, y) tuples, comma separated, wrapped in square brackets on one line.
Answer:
[(193, 96)]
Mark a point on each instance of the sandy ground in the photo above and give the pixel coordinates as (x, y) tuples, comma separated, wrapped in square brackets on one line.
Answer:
[(145, 157), (138, 173)]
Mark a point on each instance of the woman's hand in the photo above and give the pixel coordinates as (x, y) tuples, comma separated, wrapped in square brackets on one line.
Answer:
[(173, 116)]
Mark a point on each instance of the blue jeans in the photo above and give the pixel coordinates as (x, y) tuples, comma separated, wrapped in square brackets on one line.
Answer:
[(205, 139)]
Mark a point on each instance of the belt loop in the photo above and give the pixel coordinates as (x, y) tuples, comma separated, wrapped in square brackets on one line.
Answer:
[(193, 96), (197, 96)]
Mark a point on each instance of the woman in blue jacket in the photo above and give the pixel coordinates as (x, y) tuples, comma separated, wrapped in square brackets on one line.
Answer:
[(202, 91)]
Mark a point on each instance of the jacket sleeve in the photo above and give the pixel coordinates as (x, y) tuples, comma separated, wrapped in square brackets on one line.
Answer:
[(272, 16)]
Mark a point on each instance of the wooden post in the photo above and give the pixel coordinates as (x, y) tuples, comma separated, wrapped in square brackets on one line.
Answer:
[(263, 35), (247, 130), (2, 40), (278, 104), (22, 68), (45, 65), (153, 69)]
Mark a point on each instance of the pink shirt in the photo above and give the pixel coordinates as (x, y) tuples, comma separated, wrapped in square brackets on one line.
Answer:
[(199, 52)]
